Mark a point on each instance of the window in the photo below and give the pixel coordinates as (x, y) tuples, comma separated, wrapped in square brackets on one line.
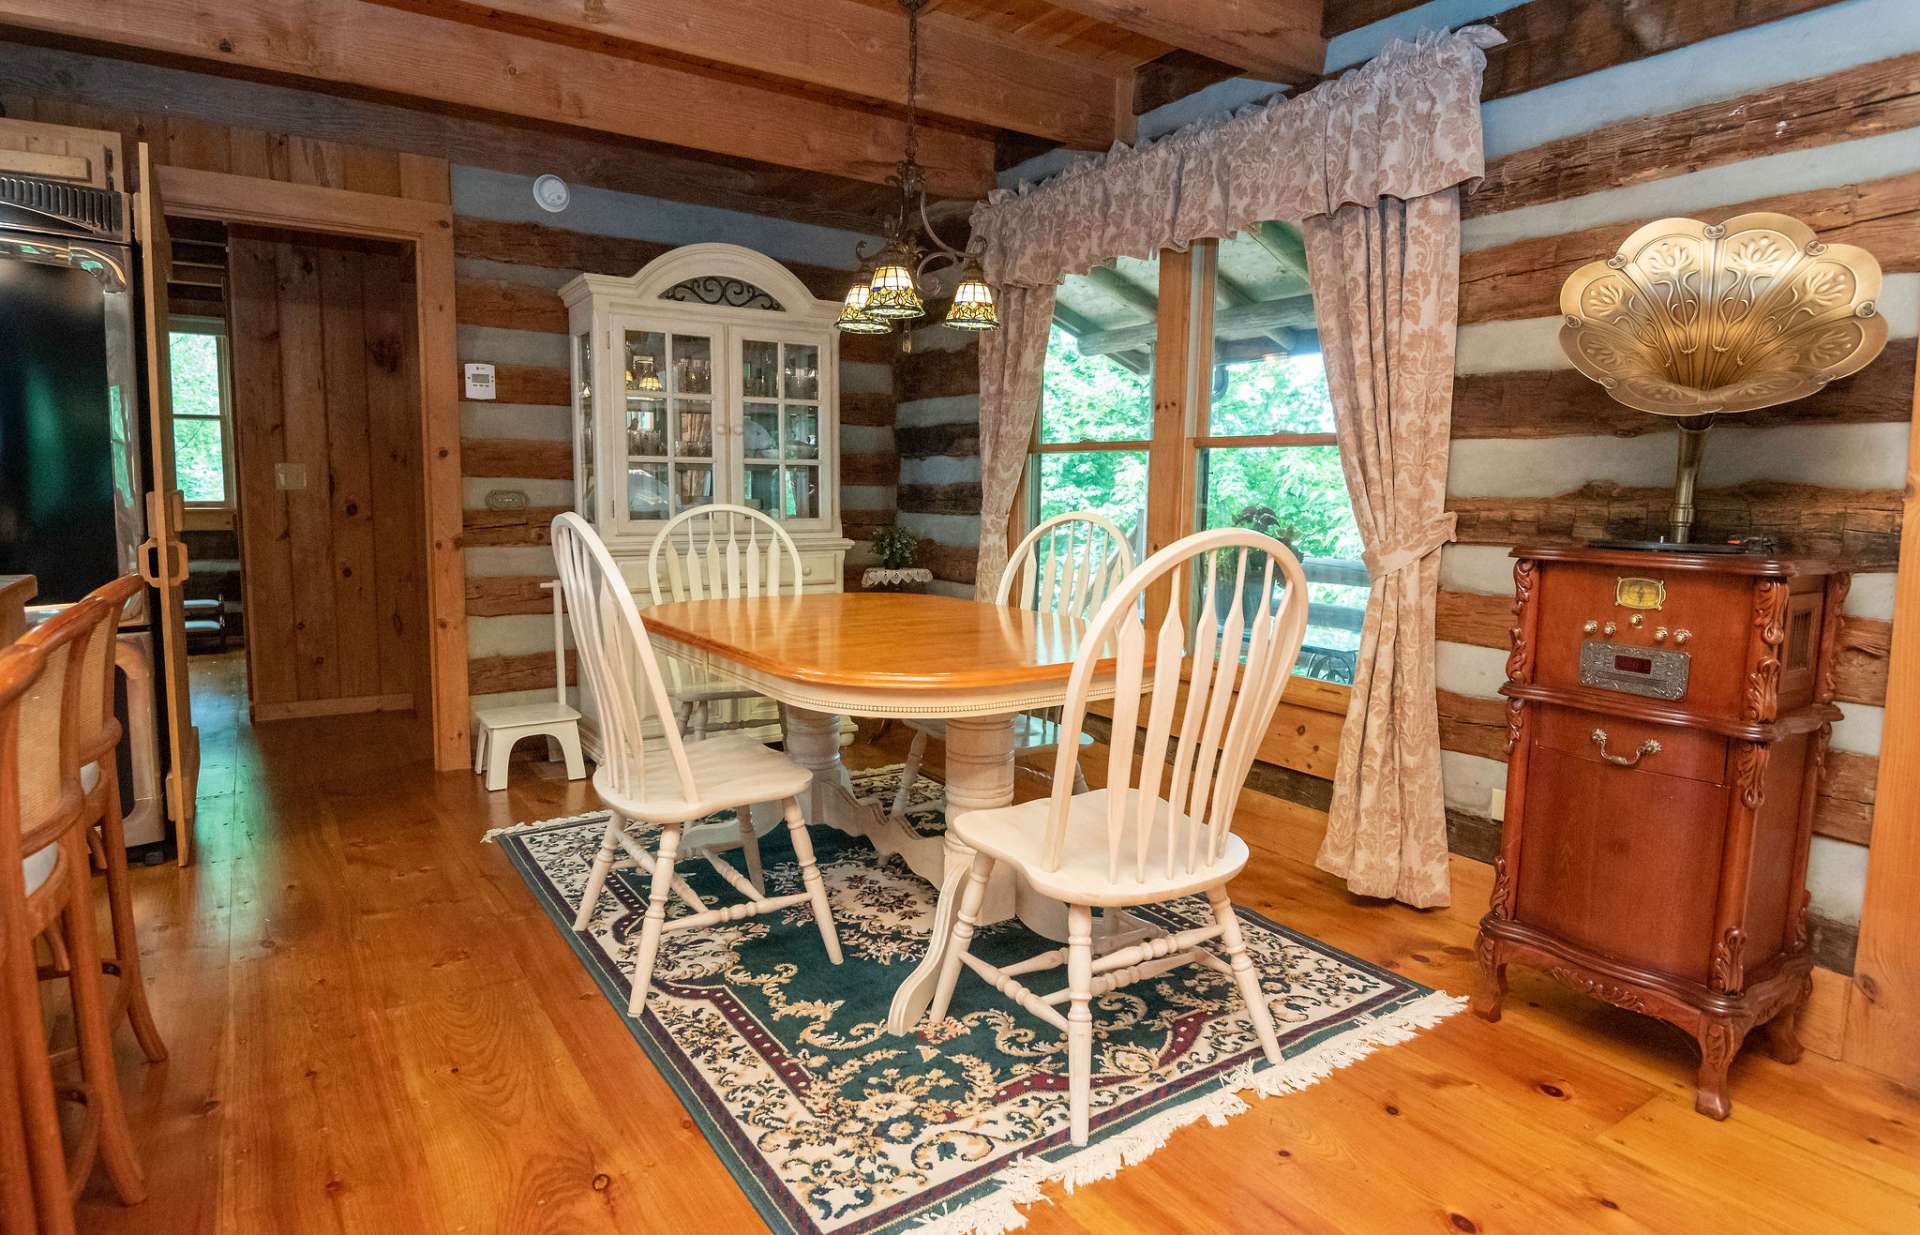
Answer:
[(197, 358), (1095, 428), (1253, 445)]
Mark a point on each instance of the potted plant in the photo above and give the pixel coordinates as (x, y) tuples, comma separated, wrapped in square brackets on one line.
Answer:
[(895, 550)]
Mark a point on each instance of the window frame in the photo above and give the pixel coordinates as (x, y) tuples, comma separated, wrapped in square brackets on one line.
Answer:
[(1182, 403), (217, 327)]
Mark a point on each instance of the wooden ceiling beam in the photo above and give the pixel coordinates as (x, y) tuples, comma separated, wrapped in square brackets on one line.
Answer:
[(966, 72), (1275, 40), (153, 93), (397, 52)]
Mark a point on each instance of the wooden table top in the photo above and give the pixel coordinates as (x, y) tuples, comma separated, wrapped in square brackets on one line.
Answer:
[(877, 639)]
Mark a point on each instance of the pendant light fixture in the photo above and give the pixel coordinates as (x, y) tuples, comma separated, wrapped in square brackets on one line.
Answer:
[(888, 288)]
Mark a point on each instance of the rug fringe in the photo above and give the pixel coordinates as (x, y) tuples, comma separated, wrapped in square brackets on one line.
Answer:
[(488, 837), (1021, 1184)]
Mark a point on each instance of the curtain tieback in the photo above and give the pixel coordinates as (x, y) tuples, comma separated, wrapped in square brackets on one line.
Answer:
[(1436, 532)]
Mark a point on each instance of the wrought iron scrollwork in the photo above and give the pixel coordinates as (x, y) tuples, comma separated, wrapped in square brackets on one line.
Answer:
[(726, 292)]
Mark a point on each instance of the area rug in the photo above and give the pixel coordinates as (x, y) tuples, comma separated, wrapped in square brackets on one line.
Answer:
[(833, 1126)]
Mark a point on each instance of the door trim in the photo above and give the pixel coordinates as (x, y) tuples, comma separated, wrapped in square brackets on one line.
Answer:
[(429, 227)]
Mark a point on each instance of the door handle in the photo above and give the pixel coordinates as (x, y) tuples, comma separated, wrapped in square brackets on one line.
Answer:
[(1648, 747), (148, 561), (179, 574)]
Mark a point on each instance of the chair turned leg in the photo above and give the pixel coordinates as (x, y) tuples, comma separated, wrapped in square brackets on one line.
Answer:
[(810, 876), (1245, 976), (702, 714), (597, 877), (96, 1036), (960, 940), (16, 1175), (910, 773), (750, 846), (126, 945), (1080, 1020), (664, 858), (568, 739)]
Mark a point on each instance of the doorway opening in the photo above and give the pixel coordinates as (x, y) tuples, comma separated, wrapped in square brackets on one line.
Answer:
[(296, 421)]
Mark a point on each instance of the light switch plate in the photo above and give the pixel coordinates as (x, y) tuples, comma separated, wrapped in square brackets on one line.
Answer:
[(1497, 806), (507, 499), (289, 476)]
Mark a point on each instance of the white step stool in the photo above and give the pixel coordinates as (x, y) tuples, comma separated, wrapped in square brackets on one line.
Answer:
[(495, 730)]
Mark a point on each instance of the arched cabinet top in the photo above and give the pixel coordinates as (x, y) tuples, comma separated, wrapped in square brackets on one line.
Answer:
[(701, 278)]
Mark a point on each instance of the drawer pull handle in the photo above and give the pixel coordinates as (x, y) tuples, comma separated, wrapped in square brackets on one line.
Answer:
[(1648, 747)]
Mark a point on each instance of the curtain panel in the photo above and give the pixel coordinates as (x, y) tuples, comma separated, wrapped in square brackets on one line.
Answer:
[(1370, 165)]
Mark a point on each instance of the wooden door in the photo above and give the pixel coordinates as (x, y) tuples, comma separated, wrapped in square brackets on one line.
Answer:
[(326, 423), (163, 558)]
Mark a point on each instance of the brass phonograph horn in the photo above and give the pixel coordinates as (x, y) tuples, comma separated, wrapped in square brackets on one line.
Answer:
[(1694, 320)]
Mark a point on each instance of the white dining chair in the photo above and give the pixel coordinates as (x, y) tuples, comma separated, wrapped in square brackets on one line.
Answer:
[(1131, 843), (1067, 564), (712, 552), (676, 785)]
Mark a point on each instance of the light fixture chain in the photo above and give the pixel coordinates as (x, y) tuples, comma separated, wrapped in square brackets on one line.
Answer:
[(913, 76)]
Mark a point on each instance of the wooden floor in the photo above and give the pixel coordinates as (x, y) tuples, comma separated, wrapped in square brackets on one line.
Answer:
[(373, 1028)]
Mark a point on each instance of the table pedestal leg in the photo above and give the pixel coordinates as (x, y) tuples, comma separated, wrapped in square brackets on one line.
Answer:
[(979, 776), (813, 742)]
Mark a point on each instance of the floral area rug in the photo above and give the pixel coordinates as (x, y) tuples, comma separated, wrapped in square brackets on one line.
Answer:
[(833, 1126)]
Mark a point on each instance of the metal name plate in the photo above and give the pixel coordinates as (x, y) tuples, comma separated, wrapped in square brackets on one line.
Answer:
[(1657, 673)]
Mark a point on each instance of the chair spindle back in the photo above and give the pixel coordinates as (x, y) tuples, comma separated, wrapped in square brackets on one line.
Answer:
[(621, 671), (1229, 701), (46, 743), (719, 552), (1068, 564)]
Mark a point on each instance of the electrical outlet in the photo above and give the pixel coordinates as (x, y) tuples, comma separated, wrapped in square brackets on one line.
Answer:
[(1497, 806), (507, 499), (289, 477)]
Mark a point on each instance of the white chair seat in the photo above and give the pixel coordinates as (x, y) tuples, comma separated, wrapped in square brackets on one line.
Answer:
[(737, 769), (89, 777), (36, 866), (1018, 834)]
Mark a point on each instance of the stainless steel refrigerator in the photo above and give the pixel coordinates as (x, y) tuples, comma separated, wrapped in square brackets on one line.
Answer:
[(72, 379)]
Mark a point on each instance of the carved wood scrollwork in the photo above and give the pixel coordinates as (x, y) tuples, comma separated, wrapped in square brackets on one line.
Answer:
[(1770, 623), (1718, 1043), (1797, 934), (1837, 587), (1520, 659), (1750, 772), (1615, 993), (1498, 906), (1729, 961), (1516, 723)]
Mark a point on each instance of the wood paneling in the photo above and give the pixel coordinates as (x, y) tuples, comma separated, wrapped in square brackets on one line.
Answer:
[(937, 373), (1553, 40), (960, 498), (489, 675), (531, 526), (70, 80), (517, 458), (869, 467), (536, 384), (510, 306), (1341, 16), (365, 46), (1275, 40), (1863, 101), (499, 595), (323, 352), (529, 244), (960, 439), (1566, 403), (873, 411), (1860, 527), (1523, 279)]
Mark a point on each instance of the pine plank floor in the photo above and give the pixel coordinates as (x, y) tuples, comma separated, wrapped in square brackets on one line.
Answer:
[(373, 1029)]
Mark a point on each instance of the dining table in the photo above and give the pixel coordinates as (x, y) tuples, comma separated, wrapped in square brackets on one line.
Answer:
[(897, 655)]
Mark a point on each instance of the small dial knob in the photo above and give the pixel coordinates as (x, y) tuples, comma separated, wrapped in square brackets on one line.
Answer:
[(1637, 621), (1609, 628), (1683, 635), (1659, 634), (1591, 626)]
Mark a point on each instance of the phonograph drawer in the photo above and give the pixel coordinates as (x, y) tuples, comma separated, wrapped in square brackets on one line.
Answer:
[(1628, 745)]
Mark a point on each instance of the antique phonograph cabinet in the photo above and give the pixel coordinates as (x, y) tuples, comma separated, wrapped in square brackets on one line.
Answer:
[(1669, 700)]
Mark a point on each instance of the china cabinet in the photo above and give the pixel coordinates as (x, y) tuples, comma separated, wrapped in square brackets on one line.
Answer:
[(709, 376)]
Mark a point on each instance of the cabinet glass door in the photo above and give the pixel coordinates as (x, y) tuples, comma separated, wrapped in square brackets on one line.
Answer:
[(780, 427), (669, 380), (583, 378)]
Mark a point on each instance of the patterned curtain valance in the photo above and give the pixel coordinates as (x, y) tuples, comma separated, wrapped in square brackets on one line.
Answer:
[(1404, 125)]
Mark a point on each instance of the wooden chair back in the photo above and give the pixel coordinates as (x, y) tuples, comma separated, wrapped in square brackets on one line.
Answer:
[(721, 551), (41, 759), (621, 671), (1068, 564), (99, 727), (1235, 673)]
